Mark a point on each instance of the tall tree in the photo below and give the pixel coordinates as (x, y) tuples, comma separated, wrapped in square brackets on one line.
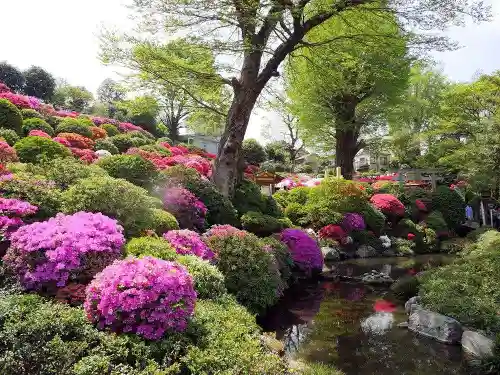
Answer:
[(11, 76), (341, 88), (142, 111), (74, 98), (110, 92), (262, 33), (39, 83)]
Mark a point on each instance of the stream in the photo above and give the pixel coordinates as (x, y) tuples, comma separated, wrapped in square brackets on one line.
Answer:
[(353, 327)]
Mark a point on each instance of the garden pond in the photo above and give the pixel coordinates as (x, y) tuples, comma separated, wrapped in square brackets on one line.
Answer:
[(353, 327)]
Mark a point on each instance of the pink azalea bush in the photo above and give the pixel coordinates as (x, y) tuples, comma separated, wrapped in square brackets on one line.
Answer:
[(187, 242), (388, 204), (353, 221), (126, 127), (7, 153), (38, 133), (20, 101), (304, 250), (189, 211), (4, 88), (146, 296), (63, 248), (11, 212), (62, 141), (421, 206), (224, 231)]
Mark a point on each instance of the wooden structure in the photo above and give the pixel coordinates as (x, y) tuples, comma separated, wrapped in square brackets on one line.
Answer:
[(266, 180)]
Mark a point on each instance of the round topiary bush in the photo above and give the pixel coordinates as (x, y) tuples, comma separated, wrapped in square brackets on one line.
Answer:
[(49, 254), (10, 116), (37, 149), (132, 168), (117, 198), (150, 246), (71, 125), (125, 141), (374, 219), (150, 309), (7, 153), (208, 280), (450, 204), (157, 149), (36, 124), (98, 133), (297, 213), (247, 266), (388, 204), (110, 129), (436, 221), (189, 211), (305, 251), (9, 135), (106, 144), (282, 259), (187, 242), (260, 224), (163, 221), (353, 221), (30, 113)]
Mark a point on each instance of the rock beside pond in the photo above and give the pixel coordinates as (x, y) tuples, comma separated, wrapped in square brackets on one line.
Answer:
[(272, 344), (375, 277), (366, 251), (330, 254), (436, 326), (389, 253), (477, 344), (412, 303)]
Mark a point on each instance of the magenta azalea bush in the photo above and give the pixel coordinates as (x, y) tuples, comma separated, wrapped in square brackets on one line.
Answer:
[(187, 242), (146, 296), (11, 212), (305, 251), (353, 221), (388, 204), (189, 211), (65, 248)]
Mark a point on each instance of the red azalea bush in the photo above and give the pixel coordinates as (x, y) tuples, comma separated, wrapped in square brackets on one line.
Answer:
[(85, 155), (98, 133), (304, 250), (77, 140), (159, 160), (7, 153), (388, 204), (334, 232)]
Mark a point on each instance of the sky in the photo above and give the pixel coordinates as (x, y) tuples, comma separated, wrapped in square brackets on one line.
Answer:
[(62, 37)]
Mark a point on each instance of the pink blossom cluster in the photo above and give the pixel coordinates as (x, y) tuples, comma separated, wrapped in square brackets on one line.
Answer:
[(4, 88), (305, 251), (62, 141), (86, 155), (159, 160), (38, 133), (65, 113), (146, 296), (11, 211), (388, 204), (178, 150), (224, 231), (421, 206), (104, 120), (200, 164), (353, 221), (126, 127), (19, 101), (189, 211), (187, 242), (63, 248), (7, 153)]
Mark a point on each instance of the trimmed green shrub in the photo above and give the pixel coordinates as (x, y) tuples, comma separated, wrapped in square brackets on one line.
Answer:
[(455, 245), (37, 124), (298, 195), (71, 125), (39, 149), (110, 129), (405, 287), (297, 213), (450, 204), (436, 221), (30, 113), (374, 219), (9, 135), (476, 233), (156, 148), (220, 209), (260, 224), (425, 239), (320, 214), (247, 268), (247, 197), (363, 237), (208, 280), (281, 196), (54, 121), (10, 116), (132, 168), (85, 120), (403, 246), (125, 141), (271, 207), (150, 246), (228, 342), (106, 144), (165, 139), (163, 221), (116, 198)]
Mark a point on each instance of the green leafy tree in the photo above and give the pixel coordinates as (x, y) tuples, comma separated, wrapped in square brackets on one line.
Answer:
[(260, 35), (11, 76), (253, 152), (74, 98), (39, 83), (110, 91)]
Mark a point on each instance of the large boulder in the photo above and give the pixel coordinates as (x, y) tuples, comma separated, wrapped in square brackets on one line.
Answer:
[(330, 254), (366, 251), (436, 326), (412, 303), (477, 344)]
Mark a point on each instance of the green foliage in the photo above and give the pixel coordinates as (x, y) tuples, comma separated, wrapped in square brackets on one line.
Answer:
[(39, 149), (405, 287), (9, 135), (425, 239), (106, 144), (253, 152), (125, 141), (150, 246), (208, 280), (455, 245), (72, 125), (39, 83), (247, 197), (11, 76), (116, 198), (282, 258), (220, 209), (476, 233), (74, 98), (10, 116), (403, 246), (110, 129), (374, 219), (363, 237), (33, 123), (164, 139), (260, 224), (436, 221), (281, 196), (30, 113), (299, 195), (246, 266), (156, 148), (450, 204), (271, 207), (132, 168), (162, 221), (320, 214), (297, 213)]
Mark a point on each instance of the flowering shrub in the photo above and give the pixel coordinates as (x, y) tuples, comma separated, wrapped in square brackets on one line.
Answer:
[(187, 242), (66, 247), (353, 221), (421, 205), (36, 149), (388, 204), (197, 162), (38, 133), (85, 155), (125, 141), (98, 133), (334, 232), (103, 120), (62, 141), (224, 231), (4, 88), (305, 251), (11, 211), (126, 127), (7, 153), (152, 297), (77, 140), (106, 145), (10, 116), (73, 125), (36, 124), (72, 294), (185, 206), (20, 101)]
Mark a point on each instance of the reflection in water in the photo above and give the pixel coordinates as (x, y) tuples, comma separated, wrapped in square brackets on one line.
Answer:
[(353, 327)]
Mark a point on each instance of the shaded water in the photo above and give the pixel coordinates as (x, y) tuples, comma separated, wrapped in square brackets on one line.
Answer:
[(353, 327)]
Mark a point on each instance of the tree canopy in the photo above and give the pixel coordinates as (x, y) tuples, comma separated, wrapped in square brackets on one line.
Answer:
[(39, 83), (11, 76)]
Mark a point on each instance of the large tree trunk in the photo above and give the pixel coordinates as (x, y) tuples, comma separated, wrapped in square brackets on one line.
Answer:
[(345, 151)]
